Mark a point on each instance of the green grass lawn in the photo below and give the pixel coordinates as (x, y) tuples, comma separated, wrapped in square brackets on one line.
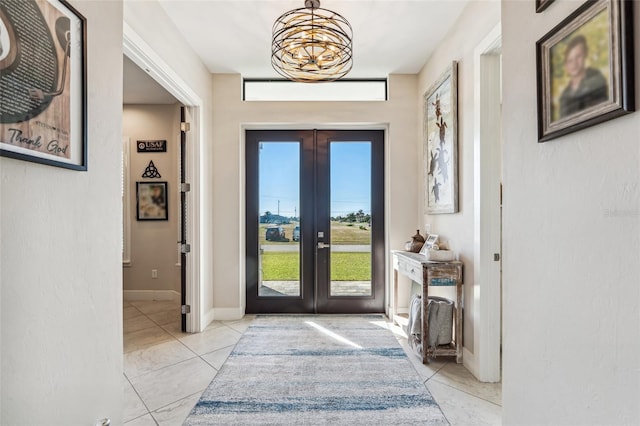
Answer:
[(344, 266)]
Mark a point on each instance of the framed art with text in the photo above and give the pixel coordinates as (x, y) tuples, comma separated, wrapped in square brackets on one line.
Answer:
[(441, 144), (585, 68), (43, 83)]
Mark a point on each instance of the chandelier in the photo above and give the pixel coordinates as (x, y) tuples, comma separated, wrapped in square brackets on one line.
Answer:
[(311, 44)]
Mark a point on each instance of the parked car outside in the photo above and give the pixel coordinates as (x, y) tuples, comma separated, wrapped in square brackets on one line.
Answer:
[(274, 233), (296, 233)]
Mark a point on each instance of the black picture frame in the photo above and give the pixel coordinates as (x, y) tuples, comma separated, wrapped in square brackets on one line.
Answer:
[(585, 69), (152, 201), (43, 92), (542, 5)]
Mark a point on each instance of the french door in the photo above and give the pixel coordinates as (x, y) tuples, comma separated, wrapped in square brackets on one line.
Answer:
[(315, 221)]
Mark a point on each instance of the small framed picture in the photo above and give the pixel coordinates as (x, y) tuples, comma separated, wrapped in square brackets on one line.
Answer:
[(425, 248), (431, 240), (585, 69), (152, 201)]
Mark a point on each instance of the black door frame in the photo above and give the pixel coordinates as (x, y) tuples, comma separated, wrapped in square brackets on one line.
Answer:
[(183, 223), (315, 298)]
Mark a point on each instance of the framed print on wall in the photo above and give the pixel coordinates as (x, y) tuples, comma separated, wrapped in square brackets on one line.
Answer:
[(585, 69), (43, 83), (152, 201), (441, 144)]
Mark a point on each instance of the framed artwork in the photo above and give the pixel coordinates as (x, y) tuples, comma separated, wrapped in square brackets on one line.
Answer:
[(152, 201), (542, 5), (43, 83), (431, 240), (441, 144), (585, 69)]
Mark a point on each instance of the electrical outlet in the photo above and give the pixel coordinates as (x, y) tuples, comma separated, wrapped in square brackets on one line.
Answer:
[(154, 273)]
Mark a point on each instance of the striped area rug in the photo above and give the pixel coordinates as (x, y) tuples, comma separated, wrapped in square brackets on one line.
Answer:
[(317, 370)]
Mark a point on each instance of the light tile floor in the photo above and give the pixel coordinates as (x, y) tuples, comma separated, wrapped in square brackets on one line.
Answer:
[(166, 371)]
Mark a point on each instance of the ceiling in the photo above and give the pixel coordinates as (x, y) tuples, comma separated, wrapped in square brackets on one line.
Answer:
[(234, 36)]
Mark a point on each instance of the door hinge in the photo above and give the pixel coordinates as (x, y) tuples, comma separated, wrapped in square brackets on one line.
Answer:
[(496, 257), (185, 187), (185, 309), (185, 126), (185, 248)]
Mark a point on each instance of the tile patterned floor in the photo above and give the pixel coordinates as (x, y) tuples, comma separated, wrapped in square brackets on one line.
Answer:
[(166, 371)]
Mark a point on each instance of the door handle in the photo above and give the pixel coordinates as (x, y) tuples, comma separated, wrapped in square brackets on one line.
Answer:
[(323, 245)]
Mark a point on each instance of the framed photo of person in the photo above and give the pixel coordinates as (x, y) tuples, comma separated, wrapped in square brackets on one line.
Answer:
[(585, 69), (152, 201), (43, 83)]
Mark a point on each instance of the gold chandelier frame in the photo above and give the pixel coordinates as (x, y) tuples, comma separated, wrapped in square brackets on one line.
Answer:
[(311, 44)]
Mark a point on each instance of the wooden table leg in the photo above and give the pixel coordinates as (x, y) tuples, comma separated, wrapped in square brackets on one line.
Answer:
[(458, 322)]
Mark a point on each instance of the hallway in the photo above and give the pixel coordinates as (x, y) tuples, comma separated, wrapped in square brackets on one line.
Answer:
[(166, 371)]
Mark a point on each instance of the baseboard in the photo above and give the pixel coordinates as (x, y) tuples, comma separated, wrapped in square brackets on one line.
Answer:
[(228, 314), (129, 295), (207, 318), (221, 314), (470, 362)]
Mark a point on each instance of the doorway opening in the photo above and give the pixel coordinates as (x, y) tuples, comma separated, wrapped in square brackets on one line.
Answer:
[(485, 362), (188, 227), (315, 221)]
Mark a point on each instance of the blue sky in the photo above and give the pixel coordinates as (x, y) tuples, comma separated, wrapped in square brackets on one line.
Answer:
[(350, 177)]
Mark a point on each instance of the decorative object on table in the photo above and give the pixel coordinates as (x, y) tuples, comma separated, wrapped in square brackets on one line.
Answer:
[(43, 83), (585, 69), (431, 241), (542, 5), (417, 241), (441, 144), (152, 146), (432, 251), (151, 172), (311, 44), (152, 201), (437, 255), (381, 386)]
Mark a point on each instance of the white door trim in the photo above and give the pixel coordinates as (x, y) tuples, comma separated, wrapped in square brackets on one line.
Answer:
[(136, 49), (485, 362)]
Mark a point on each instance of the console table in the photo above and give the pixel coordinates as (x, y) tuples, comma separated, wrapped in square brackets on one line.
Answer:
[(427, 273)]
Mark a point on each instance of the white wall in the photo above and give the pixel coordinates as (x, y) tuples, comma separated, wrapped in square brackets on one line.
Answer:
[(153, 243), (229, 116), (61, 326), (571, 250), (477, 20)]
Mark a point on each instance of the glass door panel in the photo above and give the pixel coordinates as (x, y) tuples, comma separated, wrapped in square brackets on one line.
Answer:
[(349, 194), (279, 223), (350, 211), (314, 221)]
